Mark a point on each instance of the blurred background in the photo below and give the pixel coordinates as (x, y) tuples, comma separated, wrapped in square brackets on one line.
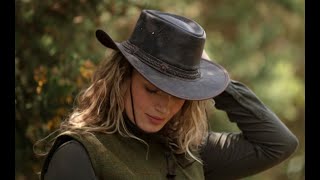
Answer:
[(260, 43)]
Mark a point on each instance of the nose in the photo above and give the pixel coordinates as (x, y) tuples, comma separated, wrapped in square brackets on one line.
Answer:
[(163, 102)]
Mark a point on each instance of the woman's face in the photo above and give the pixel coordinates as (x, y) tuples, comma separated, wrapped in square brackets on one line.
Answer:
[(153, 108)]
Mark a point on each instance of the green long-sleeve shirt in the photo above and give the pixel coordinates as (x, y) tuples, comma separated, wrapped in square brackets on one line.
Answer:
[(263, 142)]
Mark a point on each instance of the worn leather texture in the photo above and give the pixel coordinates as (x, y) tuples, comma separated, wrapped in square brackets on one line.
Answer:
[(166, 49)]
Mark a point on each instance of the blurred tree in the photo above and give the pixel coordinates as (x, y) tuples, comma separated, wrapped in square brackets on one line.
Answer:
[(261, 43)]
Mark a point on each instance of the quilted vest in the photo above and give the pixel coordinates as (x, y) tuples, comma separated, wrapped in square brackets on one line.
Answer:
[(116, 157)]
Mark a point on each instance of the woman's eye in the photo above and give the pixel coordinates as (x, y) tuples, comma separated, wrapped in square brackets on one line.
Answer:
[(152, 91)]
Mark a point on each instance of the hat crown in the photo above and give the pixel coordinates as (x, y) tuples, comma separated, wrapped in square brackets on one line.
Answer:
[(166, 49), (169, 38)]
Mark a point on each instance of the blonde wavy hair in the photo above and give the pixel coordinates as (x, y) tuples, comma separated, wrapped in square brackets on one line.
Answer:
[(100, 108)]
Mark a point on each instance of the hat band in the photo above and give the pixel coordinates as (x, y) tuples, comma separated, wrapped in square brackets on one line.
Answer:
[(158, 64)]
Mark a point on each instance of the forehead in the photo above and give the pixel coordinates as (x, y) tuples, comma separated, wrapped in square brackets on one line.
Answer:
[(139, 78)]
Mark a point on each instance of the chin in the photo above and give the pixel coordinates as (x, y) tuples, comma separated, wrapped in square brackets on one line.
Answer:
[(152, 129)]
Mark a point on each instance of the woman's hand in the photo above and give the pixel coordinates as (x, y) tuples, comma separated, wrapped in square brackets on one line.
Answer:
[(205, 55)]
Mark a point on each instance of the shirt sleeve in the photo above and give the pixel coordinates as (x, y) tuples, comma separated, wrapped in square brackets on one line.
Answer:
[(70, 161), (263, 142)]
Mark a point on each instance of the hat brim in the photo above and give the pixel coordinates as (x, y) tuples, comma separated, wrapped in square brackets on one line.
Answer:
[(214, 78)]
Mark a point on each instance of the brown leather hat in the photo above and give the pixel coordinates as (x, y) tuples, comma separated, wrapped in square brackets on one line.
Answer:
[(166, 49)]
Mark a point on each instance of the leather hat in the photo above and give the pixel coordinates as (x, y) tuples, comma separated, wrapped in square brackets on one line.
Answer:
[(166, 49)]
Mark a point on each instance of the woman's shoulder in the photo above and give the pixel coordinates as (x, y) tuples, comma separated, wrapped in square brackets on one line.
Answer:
[(69, 161), (64, 155), (89, 140), (71, 150)]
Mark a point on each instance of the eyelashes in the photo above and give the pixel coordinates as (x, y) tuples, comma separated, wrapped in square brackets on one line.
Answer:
[(152, 91)]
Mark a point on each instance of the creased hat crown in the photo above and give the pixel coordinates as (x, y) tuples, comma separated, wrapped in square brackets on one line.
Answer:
[(170, 39), (166, 49)]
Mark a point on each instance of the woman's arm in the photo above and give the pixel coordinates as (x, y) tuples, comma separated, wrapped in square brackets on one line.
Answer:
[(264, 140)]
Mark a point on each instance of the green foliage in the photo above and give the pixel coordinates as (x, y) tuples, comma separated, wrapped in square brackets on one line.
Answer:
[(260, 43)]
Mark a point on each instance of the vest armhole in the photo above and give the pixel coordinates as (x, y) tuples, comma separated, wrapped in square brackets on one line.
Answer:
[(63, 145)]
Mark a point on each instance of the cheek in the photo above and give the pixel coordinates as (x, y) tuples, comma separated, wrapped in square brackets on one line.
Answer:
[(143, 101), (177, 105)]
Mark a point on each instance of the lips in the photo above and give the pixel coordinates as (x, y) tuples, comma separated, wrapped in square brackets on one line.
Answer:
[(155, 119)]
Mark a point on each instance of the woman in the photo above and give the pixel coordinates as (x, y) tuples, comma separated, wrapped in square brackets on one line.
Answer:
[(144, 115)]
